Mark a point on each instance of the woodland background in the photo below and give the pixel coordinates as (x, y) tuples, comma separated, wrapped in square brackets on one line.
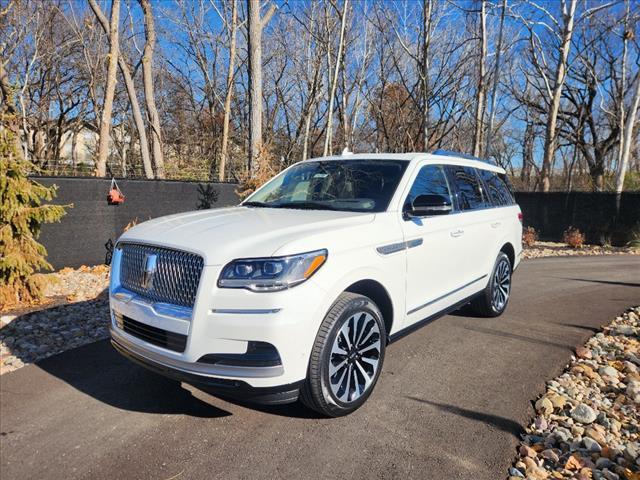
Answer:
[(236, 90)]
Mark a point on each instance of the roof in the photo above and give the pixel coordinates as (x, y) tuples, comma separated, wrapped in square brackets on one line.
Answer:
[(448, 158)]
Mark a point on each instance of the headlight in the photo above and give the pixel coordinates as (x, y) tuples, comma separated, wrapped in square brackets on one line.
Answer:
[(273, 273)]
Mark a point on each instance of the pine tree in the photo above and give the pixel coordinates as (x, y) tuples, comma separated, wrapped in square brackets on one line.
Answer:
[(21, 214)]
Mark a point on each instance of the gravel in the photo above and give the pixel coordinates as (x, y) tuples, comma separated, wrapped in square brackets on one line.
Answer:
[(552, 249), (75, 312), (588, 421)]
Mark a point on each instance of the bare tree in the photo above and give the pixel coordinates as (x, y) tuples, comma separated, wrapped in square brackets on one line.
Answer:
[(481, 90), (131, 91), (149, 91), (328, 139), (229, 95), (628, 133), (257, 22), (107, 106)]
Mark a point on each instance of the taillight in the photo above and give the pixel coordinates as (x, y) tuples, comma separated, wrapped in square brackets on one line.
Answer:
[(520, 216)]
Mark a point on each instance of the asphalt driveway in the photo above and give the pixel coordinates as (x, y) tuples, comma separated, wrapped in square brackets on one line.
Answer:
[(450, 403)]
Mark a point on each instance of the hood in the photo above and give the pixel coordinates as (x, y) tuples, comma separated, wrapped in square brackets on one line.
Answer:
[(224, 234)]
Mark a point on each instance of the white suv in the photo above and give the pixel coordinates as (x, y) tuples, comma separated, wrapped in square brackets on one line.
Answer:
[(296, 292)]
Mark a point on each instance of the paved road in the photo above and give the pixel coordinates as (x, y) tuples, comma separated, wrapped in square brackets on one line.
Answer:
[(450, 403)]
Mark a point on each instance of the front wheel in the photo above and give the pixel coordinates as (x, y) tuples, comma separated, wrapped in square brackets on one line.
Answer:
[(347, 356), (492, 301)]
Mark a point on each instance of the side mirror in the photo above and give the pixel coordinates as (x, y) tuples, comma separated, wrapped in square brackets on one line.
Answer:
[(428, 205)]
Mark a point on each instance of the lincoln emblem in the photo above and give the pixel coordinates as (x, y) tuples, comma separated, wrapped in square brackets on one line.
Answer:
[(150, 264)]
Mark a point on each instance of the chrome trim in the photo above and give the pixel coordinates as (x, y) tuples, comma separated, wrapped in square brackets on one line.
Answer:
[(414, 310), (246, 311), (399, 246), (160, 274), (159, 308), (202, 369)]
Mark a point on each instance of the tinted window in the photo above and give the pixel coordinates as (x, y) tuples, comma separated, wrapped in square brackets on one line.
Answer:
[(431, 180), (469, 189), (351, 185), (498, 188)]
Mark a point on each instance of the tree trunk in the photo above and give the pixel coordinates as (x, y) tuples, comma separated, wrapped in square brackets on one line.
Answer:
[(133, 99), (255, 83), (628, 137), (481, 93), (227, 100), (149, 91), (552, 118), (488, 151), (334, 82), (426, 42), (110, 89)]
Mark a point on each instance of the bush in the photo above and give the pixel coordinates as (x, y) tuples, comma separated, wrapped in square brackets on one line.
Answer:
[(529, 236), (21, 215), (573, 237)]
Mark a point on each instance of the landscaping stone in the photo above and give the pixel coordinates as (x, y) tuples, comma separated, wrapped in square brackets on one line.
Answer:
[(553, 249), (75, 312), (592, 431)]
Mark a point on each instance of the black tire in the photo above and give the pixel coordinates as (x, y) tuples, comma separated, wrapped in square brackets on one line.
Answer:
[(318, 390), (485, 303)]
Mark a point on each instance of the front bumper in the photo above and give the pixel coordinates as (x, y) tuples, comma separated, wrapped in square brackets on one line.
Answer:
[(222, 387)]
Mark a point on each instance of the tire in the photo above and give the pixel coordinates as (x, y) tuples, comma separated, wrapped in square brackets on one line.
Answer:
[(493, 300), (336, 384)]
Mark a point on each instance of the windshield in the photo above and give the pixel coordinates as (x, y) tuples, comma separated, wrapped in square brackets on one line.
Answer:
[(349, 185)]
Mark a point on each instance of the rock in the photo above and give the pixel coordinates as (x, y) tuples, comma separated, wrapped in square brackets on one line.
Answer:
[(550, 455), (544, 406), (633, 391), (632, 452), (514, 472), (584, 414), (596, 435), (609, 475), (591, 445), (577, 430), (583, 352), (526, 451), (558, 401), (574, 462), (540, 423), (608, 372), (603, 462)]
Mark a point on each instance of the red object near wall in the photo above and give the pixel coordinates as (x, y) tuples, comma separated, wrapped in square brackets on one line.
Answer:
[(115, 195)]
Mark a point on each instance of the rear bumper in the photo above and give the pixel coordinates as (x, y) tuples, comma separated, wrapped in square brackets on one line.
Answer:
[(223, 387)]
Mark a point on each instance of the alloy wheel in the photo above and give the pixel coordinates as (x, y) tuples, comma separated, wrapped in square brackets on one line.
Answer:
[(355, 356), (501, 284)]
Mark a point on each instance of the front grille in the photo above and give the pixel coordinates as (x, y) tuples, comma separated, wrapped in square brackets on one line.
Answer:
[(176, 277), (156, 336)]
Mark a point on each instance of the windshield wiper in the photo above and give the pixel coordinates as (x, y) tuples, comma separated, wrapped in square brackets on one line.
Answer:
[(258, 204), (306, 206)]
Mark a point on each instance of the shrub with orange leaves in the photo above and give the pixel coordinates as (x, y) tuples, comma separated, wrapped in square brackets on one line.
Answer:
[(529, 236), (573, 237)]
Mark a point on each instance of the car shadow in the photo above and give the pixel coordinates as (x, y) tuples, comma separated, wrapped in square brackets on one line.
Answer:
[(98, 370), (501, 423), (102, 373)]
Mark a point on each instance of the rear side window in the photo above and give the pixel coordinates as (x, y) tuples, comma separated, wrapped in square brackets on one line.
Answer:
[(431, 180), (498, 188), (469, 188)]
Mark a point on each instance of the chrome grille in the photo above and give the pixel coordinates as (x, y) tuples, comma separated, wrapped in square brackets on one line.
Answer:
[(176, 277)]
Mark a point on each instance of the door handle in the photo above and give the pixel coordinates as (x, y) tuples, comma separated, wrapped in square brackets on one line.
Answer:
[(495, 224), (457, 233)]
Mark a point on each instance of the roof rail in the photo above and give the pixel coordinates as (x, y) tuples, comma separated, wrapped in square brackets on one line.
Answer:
[(449, 153)]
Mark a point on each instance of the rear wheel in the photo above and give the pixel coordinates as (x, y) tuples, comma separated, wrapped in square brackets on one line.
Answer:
[(347, 356), (493, 300)]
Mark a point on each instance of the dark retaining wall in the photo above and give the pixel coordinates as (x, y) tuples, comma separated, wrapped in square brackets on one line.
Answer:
[(595, 214), (80, 238)]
